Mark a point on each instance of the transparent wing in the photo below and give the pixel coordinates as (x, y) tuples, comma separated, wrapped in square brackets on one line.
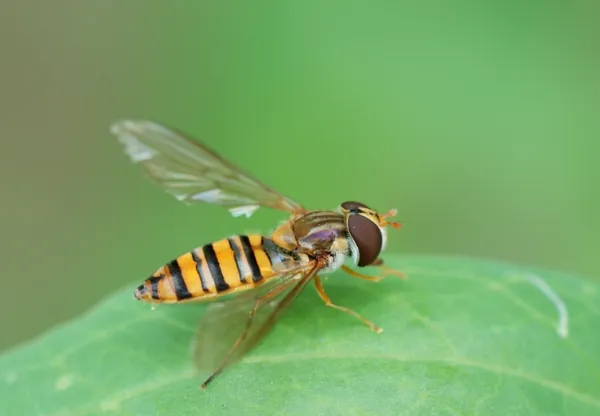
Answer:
[(224, 323), (192, 173)]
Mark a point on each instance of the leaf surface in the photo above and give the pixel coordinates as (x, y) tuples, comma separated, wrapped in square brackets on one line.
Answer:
[(461, 336)]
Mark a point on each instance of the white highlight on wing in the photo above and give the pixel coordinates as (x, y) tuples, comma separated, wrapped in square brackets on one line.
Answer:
[(211, 196), (215, 196), (246, 210), (563, 316), (137, 151)]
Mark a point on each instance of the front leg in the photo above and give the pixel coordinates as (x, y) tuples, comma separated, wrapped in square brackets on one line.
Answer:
[(387, 271)]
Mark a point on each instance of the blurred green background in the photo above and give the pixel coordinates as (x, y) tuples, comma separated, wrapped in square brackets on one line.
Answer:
[(479, 122)]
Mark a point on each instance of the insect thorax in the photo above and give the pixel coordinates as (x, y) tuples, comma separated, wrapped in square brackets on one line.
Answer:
[(324, 233)]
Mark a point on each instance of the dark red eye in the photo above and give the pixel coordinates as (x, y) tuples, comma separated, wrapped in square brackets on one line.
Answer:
[(349, 205), (367, 236)]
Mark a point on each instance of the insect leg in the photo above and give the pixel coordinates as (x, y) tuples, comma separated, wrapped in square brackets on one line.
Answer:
[(328, 302), (257, 303), (361, 276), (387, 271)]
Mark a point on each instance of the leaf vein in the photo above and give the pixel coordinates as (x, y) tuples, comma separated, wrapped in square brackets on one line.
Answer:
[(458, 361), (148, 387)]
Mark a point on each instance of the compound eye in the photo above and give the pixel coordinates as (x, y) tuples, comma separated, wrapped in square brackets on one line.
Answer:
[(367, 236), (353, 205)]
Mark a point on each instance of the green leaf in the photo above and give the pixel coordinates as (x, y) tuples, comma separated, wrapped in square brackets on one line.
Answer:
[(461, 336)]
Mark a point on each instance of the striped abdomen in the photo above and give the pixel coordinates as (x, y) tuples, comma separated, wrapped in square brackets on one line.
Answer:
[(238, 262)]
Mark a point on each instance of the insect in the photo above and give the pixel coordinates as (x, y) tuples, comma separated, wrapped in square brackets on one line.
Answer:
[(253, 278)]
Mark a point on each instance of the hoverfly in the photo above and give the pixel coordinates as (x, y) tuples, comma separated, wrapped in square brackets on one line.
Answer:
[(264, 274)]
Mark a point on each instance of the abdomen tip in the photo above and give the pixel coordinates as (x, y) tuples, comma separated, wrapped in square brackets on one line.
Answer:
[(140, 293)]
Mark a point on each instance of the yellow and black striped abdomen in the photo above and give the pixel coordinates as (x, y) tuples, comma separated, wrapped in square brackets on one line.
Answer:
[(235, 263)]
